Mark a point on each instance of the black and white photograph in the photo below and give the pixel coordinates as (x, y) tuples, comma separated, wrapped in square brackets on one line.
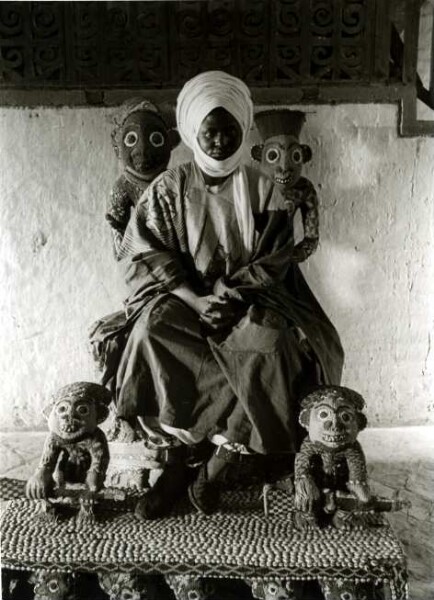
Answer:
[(217, 300)]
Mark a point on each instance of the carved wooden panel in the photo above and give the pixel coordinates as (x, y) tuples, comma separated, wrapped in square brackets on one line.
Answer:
[(267, 43)]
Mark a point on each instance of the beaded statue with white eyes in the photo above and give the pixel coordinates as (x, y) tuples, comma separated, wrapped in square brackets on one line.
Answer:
[(282, 157), (50, 585), (131, 586), (346, 589), (330, 458), (272, 589), (143, 143), (190, 587), (76, 450)]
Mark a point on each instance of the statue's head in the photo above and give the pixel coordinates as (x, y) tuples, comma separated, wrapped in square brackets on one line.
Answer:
[(272, 589), (342, 589), (333, 416), (281, 155), (53, 586), (77, 409), (123, 586), (142, 140)]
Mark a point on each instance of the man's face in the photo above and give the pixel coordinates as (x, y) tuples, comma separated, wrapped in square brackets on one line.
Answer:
[(282, 159), (333, 423), (219, 134), (145, 146)]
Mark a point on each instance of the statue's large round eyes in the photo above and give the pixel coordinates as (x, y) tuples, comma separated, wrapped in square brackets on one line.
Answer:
[(130, 139), (53, 586), (272, 589), (193, 595), (272, 155), (157, 139), (128, 595), (347, 596), (345, 416), (62, 408), (82, 409), (323, 414), (297, 156)]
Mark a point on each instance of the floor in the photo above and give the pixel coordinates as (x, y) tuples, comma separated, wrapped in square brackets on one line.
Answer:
[(399, 459)]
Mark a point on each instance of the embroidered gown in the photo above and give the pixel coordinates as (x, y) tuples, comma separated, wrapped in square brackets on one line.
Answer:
[(244, 383)]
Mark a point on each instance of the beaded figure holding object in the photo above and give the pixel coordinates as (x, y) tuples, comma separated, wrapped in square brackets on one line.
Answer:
[(75, 450), (330, 457), (282, 157), (143, 142)]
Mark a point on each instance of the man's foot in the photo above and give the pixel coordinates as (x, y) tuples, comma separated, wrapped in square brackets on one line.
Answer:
[(168, 489), (204, 494)]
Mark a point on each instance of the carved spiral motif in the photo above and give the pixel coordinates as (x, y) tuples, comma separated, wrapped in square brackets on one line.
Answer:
[(11, 60), (45, 20), (117, 22), (353, 18), (322, 18), (253, 19), (86, 56), (150, 57), (48, 62), (86, 20), (289, 20), (150, 43), (220, 22), (220, 57), (322, 55), (351, 55), (290, 54), (11, 19), (149, 22), (189, 23)]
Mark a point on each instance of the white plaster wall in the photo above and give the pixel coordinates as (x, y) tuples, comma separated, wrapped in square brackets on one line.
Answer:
[(373, 272)]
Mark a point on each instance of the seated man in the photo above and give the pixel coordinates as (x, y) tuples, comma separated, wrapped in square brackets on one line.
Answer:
[(225, 334)]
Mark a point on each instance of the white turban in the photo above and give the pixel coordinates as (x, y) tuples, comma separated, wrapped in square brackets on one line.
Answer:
[(198, 97)]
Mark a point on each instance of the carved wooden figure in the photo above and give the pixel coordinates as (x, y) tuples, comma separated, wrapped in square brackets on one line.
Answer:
[(54, 586), (282, 157), (143, 143), (75, 450), (190, 587), (330, 458), (275, 589), (129, 586), (346, 589)]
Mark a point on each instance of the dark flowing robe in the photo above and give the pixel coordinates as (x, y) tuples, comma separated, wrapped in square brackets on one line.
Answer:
[(244, 383)]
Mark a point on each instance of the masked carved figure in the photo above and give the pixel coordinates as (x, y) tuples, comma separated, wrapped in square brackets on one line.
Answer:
[(282, 157), (143, 143)]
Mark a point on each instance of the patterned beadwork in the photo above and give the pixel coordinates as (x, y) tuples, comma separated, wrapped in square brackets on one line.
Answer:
[(237, 542)]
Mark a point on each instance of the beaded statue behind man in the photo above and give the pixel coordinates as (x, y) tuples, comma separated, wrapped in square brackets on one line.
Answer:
[(143, 143), (282, 157)]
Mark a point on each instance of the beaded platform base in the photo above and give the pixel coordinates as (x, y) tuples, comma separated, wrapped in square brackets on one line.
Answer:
[(238, 541)]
